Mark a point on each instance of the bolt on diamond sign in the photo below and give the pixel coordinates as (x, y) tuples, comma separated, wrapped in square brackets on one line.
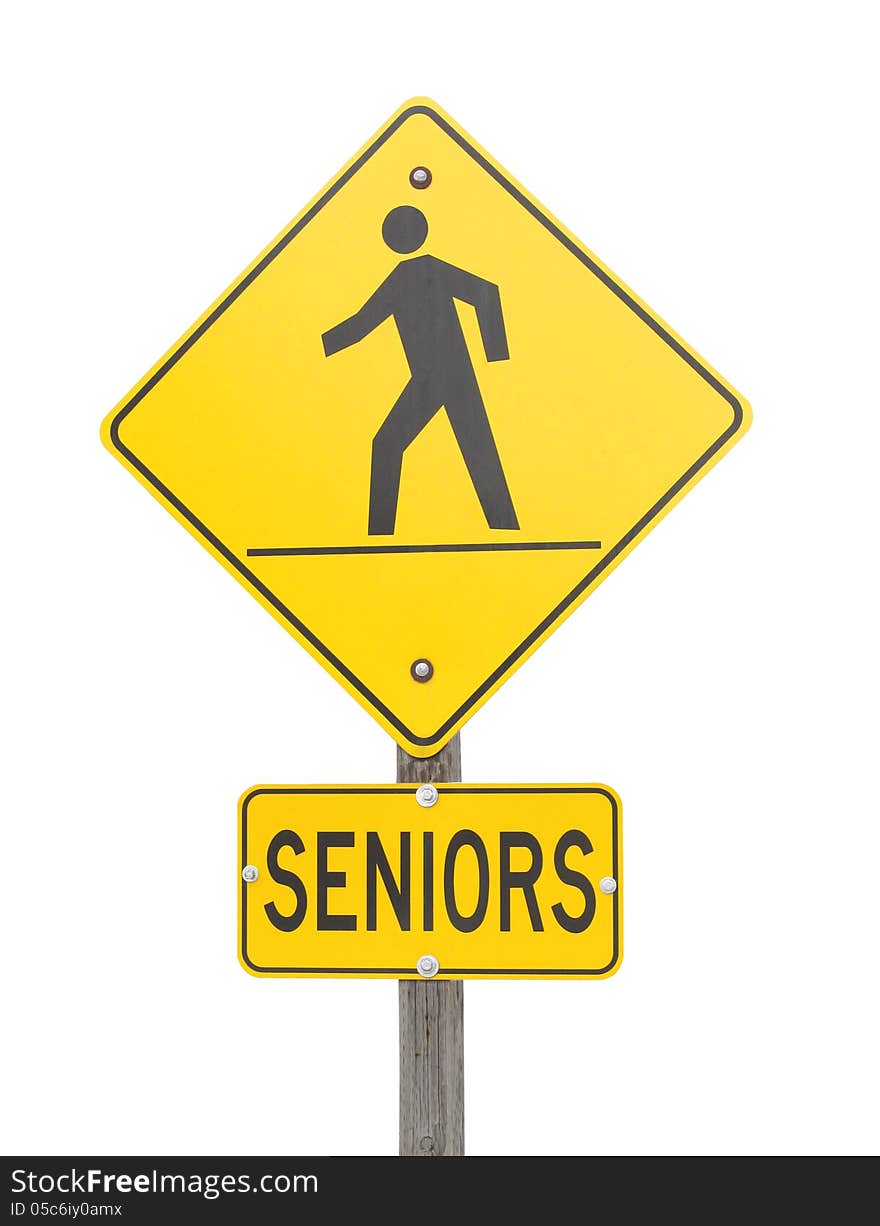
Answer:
[(423, 425)]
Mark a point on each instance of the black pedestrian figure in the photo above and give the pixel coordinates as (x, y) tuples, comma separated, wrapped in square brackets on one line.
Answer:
[(419, 295)]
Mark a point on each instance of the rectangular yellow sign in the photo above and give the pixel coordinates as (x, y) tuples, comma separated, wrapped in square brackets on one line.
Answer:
[(458, 881)]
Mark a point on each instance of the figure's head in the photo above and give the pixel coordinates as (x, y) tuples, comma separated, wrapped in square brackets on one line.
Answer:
[(405, 229)]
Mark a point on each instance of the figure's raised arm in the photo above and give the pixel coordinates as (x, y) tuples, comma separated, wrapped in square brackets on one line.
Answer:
[(485, 298), (375, 310)]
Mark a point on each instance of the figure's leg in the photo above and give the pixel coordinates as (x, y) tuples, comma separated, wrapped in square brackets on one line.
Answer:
[(467, 415), (414, 409)]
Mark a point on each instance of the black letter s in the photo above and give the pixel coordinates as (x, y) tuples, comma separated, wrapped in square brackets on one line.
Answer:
[(569, 876), (286, 923)]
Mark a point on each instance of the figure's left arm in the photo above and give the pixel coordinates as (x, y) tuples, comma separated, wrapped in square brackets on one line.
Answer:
[(375, 311), (485, 298)]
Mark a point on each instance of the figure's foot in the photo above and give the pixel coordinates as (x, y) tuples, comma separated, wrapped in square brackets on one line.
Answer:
[(508, 523)]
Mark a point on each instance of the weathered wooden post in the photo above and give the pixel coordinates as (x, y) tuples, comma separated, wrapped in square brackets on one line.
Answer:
[(431, 1021)]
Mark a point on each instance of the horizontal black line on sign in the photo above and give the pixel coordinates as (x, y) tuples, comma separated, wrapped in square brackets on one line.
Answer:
[(312, 551)]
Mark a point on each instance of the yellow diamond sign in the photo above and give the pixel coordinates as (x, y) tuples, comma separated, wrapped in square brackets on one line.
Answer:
[(424, 425)]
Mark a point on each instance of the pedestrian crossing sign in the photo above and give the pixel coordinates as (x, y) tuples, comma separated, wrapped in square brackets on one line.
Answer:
[(423, 425)]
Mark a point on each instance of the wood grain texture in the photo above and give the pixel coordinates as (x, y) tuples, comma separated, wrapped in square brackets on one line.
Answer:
[(431, 1021)]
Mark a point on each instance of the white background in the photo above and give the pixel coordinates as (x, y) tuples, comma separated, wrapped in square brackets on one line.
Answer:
[(721, 159)]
